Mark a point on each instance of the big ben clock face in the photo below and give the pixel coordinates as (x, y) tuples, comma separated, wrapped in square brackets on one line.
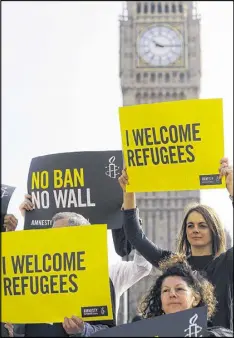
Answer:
[(160, 46)]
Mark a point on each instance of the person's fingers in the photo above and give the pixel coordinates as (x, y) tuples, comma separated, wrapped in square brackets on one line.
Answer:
[(13, 219), (77, 321), (9, 227), (66, 324), (28, 205), (225, 171), (7, 219), (10, 221), (120, 179), (222, 169), (72, 324), (223, 165), (23, 206), (224, 160), (27, 196), (221, 172), (122, 182), (125, 179)]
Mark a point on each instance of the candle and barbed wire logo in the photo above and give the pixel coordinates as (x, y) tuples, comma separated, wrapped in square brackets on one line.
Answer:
[(4, 191), (193, 329), (112, 170), (103, 311)]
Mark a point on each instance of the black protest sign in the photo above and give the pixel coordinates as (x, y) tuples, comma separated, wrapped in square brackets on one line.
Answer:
[(189, 323), (81, 182), (6, 193)]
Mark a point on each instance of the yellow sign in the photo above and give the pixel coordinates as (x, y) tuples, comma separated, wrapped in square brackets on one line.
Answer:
[(173, 145), (55, 273)]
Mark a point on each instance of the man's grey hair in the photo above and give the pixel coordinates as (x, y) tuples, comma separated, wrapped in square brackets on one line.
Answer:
[(73, 218)]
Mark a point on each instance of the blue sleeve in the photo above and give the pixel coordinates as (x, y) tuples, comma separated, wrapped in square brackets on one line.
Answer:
[(89, 330)]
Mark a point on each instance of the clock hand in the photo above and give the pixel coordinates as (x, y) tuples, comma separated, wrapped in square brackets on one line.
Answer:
[(157, 44), (172, 46), (162, 46)]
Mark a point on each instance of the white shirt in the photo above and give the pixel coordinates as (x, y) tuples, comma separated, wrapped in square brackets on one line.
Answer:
[(125, 274)]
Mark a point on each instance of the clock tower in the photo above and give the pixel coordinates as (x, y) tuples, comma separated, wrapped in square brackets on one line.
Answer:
[(159, 61)]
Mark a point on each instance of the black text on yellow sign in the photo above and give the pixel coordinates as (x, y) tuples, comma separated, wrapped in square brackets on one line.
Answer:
[(166, 142), (52, 271), (173, 146), (27, 267)]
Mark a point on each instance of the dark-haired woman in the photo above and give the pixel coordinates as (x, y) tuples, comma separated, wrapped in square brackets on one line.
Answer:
[(202, 240), (179, 289)]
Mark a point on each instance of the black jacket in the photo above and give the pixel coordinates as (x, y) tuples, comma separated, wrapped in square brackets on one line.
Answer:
[(121, 243), (4, 331), (219, 271), (217, 331), (122, 246)]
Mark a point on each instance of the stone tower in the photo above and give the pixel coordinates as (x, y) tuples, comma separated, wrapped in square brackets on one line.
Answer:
[(160, 60)]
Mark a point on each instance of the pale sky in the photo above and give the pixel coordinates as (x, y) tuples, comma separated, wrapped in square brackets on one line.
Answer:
[(61, 88)]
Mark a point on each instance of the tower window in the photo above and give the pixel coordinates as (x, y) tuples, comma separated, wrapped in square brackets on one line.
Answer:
[(160, 76), (138, 97), (181, 77), (174, 96), (145, 75), (145, 95), (159, 8), (153, 97), (138, 77), (160, 95), (145, 8), (138, 7), (152, 7), (173, 8), (182, 96), (152, 77), (181, 9), (166, 8), (168, 95), (167, 77)]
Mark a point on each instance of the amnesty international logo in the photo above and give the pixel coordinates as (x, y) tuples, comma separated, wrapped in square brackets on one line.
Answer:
[(193, 330), (4, 191), (112, 170)]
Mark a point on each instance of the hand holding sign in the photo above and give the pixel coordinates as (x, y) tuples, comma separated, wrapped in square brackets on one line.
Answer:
[(123, 179), (9, 327), (227, 171), (26, 205), (10, 222), (129, 197), (73, 325)]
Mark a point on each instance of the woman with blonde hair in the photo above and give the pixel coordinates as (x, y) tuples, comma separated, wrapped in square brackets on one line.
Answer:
[(202, 240)]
